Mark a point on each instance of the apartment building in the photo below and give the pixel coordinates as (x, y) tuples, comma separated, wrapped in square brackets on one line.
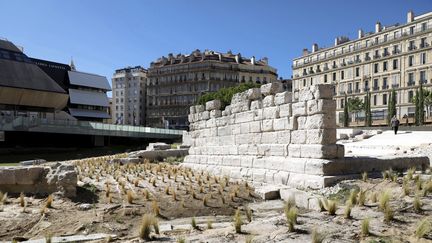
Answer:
[(129, 96), (391, 57), (174, 83)]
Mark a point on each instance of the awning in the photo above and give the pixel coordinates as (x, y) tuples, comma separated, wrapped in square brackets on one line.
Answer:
[(88, 80), (86, 97), (88, 113)]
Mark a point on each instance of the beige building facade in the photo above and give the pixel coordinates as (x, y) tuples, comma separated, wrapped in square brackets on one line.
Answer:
[(395, 57), (128, 96), (174, 83)]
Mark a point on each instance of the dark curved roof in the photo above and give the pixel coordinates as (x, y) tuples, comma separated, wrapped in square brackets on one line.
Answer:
[(17, 71)]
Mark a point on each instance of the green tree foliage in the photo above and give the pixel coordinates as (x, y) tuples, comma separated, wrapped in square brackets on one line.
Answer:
[(417, 108), (368, 112), (345, 114), (355, 105), (225, 94), (421, 104), (391, 106)]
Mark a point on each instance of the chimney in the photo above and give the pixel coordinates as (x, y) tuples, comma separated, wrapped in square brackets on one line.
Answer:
[(305, 51), (336, 41), (253, 60), (410, 16), (264, 60), (314, 47), (360, 33), (377, 27)]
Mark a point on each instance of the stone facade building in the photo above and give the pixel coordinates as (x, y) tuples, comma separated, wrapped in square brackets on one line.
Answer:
[(392, 57), (128, 96), (175, 82)]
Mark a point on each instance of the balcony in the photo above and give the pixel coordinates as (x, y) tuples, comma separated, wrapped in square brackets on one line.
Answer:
[(357, 91), (341, 92), (375, 88), (424, 45), (395, 52), (384, 87), (376, 56), (349, 91), (334, 66), (394, 86), (367, 58), (411, 83), (318, 70), (411, 48), (366, 89), (385, 54), (325, 68), (357, 60)]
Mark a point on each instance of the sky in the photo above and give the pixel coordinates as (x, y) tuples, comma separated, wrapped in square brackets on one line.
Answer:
[(104, 35)]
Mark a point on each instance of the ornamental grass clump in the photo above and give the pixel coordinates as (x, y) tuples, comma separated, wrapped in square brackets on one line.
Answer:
[(22, 200), (291, 217), (384, 200), (361, 198), (193, 223), (155, 208), (130, 197), (353, 197), (365, 227), (317, 237), (147, 222), (364, 176), (248, 212), (348, 208), (417, 204), (49, 201), (423, 228), (237, 221)]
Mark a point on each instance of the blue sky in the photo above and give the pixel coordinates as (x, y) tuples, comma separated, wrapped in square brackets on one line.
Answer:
[(102, 36)]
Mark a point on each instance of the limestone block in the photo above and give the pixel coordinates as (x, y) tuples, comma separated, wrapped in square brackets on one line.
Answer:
[(283, 98), (247, 149), (298, 136), (340, 151), (285, 110), (228, 110), (322, 91), (256, 104), (201, 124), (253, 94), (277, 150), (318, 121), (321, 136), (244, 117), (301, 122), (271, 112), (271, 88), (246, 161), (205, 115), (294, 150), (199, 108), (226, 140), (292, 123), (190, 117), (280, 124), (321, 106), (268, 192), (246, 173), (250, 138), (299, 108), (215, 113), (258, 175), (240, 106), (235, 173), (222, 121), (192, 110), (211, 123), (258, 115), (213, 105), (224, 113), (263, 149), (235, 129), (305, 95), (239, 97), (232, 161), (281, 177), (283, 137), (255, 126), (268, 137), (318, 151), (224, 131), (267, 125), (244, 128), (268, 101)]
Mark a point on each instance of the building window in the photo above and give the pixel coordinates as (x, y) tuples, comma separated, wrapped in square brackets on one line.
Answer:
[(411, 30), (334, 76), (423, 76), (423, 26), (384, 66), (375, 86), (357, 72), (325, 78), (376, 67), (384, 101), (342, 75), (375, 100), (410, 61), (341, 103), (410, 96), (395, 64), (423, 58), (304, 82), (385, 86), (411, 79)]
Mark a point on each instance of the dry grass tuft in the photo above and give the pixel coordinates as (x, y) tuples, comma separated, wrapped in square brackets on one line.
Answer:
[(364, 176), (3, 197), (317, 237), (417, 204), (348, 207), (384, 200), (147, 222), (410, 173), (291, 217), (248, 212), (423, 228), (388, 214), (193, 223), (361, 197), (237, 221), (365, 227), (209, 224), (49, 201), (130, 197), (22, 200), (155, 208), (353, 197)]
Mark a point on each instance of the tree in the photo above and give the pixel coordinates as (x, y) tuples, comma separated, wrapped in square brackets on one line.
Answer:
[(355, 105), (427, 94), (421, 104), (417, 108), (346, 115), (368, 112), (391, 110)]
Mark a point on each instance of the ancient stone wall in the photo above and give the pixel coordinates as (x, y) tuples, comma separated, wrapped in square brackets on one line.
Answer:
[(41, 179), (266, 137)]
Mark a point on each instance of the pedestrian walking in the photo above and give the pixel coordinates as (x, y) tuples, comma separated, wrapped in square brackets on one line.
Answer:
[(395, 124)]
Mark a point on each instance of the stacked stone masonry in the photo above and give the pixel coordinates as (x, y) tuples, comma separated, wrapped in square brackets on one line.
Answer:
[(266, 137)]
